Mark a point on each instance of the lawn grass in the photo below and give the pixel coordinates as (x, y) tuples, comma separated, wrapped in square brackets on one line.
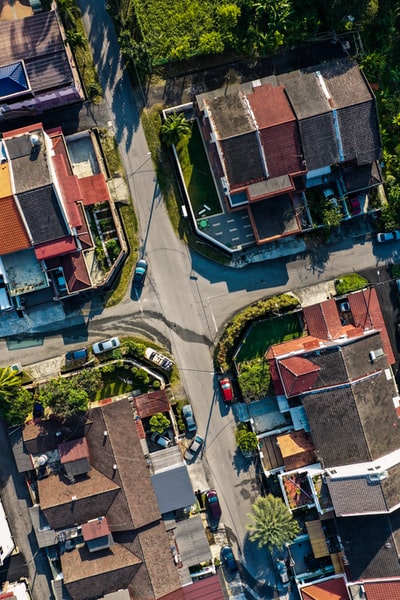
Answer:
[(196, 173), (114, 386), (265, 333)]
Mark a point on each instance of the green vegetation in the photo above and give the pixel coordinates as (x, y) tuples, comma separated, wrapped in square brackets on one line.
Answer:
[(272, 523), (196, 172), (159, 423), (234, 330), (246, 440), (254, 379), (118, 379), (263, 334), (350, 283), (66, 397), (16, 403), (110, 148), (174, 129)]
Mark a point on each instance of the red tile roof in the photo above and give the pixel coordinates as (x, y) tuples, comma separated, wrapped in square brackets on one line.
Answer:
[(382, 590), (70, 189), (270, 105), (204, 589), (53, 249), (332, 589), (94, 189), (367, 314), (94, 529), (75, 271), (73, 450), (323, 320), (282, 149), (298, 374), (13, 235), (21, 130)]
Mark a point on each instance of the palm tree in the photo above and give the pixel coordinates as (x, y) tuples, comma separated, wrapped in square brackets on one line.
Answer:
[(273, 523), (9, 381), (174, 129)]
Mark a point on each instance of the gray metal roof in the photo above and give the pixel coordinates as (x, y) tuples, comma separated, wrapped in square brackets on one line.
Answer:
[(192, 541), (173, 489)]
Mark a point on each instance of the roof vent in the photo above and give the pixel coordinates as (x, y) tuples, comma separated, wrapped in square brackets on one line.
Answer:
[(114, 467), (105, 433), (374, 354), (74, 498)]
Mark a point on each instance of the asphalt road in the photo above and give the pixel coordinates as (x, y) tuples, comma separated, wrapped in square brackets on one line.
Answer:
[(187, 299)]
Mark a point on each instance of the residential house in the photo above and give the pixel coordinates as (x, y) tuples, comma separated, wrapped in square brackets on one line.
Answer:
[(269, 141), (95, 510), (338, 386), (37, 71), (46, 243)]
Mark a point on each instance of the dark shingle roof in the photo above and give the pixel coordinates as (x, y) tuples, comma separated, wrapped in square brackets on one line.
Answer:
[(361, 178), (319, 141), (370, 546), (305, 93), (360, 132), (229, 115), (37, 40), (242, 159), (344, 82), (43, 214), (356, 495), (274, 217)]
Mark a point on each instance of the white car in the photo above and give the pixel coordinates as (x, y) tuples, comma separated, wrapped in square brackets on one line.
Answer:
[(388, 236), (194, 447), (189, 418), (106, 345)]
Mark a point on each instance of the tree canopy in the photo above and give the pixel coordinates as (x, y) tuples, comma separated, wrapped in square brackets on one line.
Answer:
[(272, 523), (174, 129), (159, 423)]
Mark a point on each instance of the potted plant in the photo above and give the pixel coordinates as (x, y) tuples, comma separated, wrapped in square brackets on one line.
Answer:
[(246, 440)]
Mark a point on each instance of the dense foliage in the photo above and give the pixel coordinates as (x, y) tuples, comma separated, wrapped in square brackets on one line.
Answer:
[(350, 283), (159, 423), (16, 403), (272, 523), (66, 397), (254, 378), (246, 440)]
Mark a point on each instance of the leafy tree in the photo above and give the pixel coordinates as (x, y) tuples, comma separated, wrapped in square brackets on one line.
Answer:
[(246, 440), (75, 39), (69, 12), (64, 397), (175, 127), (17, 407), (135, 348), (254, 378), (331, 215), (211, 43), (159, 423), (272, 524), (89, 380), (141, 376)]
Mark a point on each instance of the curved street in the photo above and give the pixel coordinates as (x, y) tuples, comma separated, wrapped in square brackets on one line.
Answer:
[(187, 299)]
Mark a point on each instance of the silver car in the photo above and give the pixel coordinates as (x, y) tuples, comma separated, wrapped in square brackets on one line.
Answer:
[(106, 345), (189, 418)]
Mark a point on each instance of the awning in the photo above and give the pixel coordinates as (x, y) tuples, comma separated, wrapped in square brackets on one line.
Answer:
[(317, 539)]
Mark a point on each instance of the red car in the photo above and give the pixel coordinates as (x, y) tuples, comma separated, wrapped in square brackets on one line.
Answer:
[(213, 504), (355, 207), (226, 389)]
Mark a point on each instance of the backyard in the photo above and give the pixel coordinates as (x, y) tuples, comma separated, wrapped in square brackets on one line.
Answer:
[(122, 380), (197, 175), (263, 334)]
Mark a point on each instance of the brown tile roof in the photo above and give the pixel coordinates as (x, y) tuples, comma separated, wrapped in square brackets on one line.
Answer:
[(297, 449), (95, 528), (332, 589), (298, 374), (138, 506), (73, 450), (271, 453), (148, 405), (55, 248), (204, 589), (76, 272), (102, 572), (13, 235), (42, 435)]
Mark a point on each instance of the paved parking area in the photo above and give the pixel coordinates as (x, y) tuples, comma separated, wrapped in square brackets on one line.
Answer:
[(230, 229)]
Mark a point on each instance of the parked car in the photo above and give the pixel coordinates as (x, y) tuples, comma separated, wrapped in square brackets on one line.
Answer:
[(213, 503), (194, 447), (159, 359), (228, 559), (106, 345), (388, 236), (189, 418), (330, 195), (140, 273), (355, 207), (161, 440), (80, 354), (226, 389)]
